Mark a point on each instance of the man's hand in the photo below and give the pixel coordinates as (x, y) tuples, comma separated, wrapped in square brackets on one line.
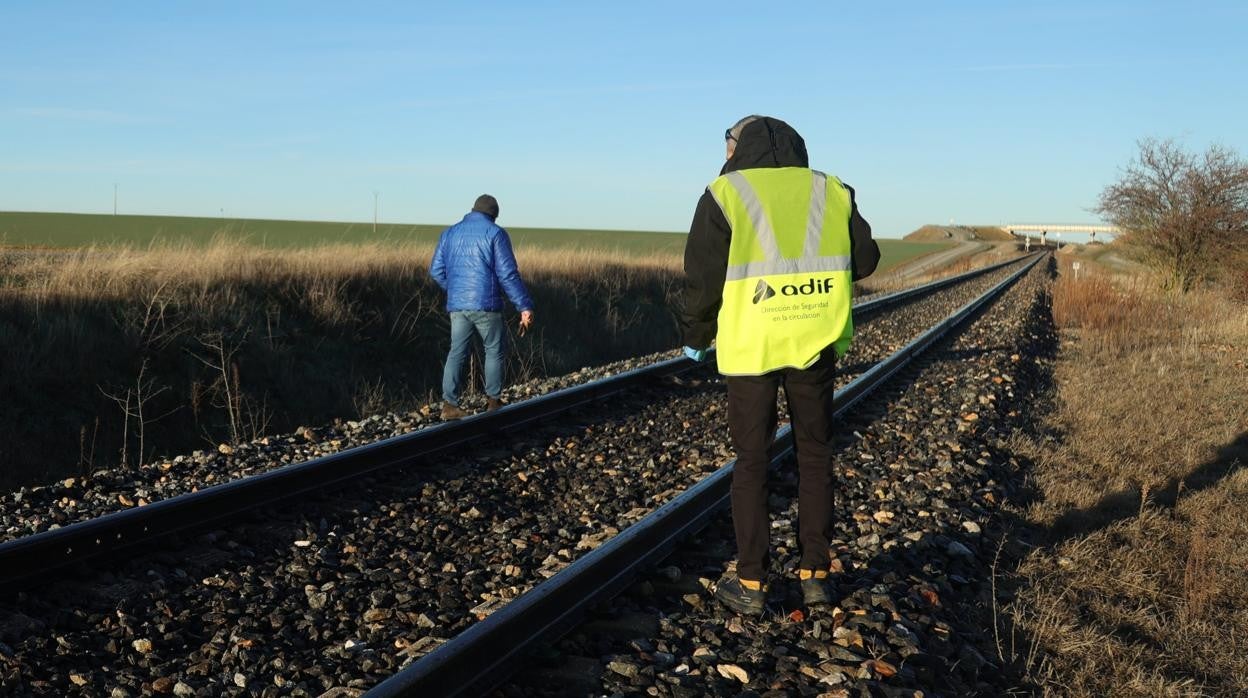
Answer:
[(698, 355), (526, 319)]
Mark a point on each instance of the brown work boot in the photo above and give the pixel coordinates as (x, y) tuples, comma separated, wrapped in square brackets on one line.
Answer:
[(493, 403), (451, 412)]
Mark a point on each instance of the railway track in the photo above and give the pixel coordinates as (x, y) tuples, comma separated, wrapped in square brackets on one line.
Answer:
[(69, 542), (928, 484), (240, 554), (480, 658)]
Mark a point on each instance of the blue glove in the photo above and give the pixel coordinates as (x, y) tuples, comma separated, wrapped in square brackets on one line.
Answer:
[(698, 355)]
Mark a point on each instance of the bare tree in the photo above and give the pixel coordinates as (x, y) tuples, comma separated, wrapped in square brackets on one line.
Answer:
[(157, 329), (527, 358), (1187, 213), (134, 407), (86, 457), (409, 320), (248, 420)]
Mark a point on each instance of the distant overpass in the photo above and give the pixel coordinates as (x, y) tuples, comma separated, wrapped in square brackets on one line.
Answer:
[(1045, 228)]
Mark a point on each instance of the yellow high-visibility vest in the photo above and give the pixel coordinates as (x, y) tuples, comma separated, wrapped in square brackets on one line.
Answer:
[(789, 285)]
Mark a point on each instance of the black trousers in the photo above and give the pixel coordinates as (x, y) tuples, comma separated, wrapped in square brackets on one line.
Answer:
[(752, 425)]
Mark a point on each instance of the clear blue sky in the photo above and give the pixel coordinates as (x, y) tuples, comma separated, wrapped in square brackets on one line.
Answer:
[(599, 115)]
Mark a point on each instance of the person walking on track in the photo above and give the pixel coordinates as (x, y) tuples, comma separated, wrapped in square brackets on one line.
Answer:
[(770, 261), (475, 265)]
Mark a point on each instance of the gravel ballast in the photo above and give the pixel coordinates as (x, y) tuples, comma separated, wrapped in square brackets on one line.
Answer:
[(342, 590), (922, 479)]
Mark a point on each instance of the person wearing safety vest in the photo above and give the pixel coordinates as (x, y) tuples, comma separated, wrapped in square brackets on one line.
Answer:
[(770, 261)]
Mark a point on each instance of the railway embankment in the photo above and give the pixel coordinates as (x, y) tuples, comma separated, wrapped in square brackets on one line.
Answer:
[(114, 358), (1132, 581)]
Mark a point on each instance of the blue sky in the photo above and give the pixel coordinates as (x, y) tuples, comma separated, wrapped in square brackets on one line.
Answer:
[(599, 115)]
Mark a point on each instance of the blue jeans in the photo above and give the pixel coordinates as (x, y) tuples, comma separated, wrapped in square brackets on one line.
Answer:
[(490, 326)]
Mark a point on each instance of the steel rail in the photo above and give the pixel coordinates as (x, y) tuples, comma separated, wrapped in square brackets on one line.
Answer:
[(887, 299), (24, 561), (479, 659)]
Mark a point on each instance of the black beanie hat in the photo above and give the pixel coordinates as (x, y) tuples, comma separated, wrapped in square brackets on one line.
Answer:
[(486, 204)]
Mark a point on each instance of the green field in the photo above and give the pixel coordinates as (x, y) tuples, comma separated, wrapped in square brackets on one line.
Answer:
[(62, 230), (894, 252)]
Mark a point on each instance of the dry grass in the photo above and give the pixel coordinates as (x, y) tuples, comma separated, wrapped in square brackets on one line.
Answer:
[(1139, 585), (232, 340), (228, 340), (95, 274)]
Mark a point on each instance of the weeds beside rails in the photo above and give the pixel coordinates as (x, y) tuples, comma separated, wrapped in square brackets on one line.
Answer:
[(175, 348), (1137, 583)]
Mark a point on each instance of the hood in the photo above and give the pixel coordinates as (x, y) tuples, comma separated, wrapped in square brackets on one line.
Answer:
[(767, 142)]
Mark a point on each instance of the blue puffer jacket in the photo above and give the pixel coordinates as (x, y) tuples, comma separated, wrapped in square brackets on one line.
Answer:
[(475, 265)]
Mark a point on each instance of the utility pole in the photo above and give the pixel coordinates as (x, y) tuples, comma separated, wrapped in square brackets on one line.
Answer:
[(114, 198), (376, 194)]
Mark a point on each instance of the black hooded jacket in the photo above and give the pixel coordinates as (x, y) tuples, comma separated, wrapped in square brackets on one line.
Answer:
[(767, 142)]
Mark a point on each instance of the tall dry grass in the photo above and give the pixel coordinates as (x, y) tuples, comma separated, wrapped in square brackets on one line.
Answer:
[(231, 340), (90, 275), (1136, 585)]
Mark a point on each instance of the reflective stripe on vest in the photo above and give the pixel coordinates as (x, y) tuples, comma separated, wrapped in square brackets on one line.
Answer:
[(773, 263), (788, 287)]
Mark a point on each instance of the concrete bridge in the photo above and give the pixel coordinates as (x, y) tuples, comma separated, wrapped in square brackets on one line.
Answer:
[(1044, 229)]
